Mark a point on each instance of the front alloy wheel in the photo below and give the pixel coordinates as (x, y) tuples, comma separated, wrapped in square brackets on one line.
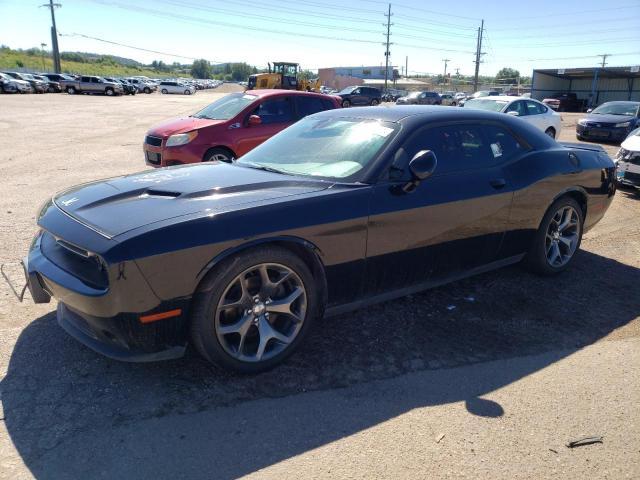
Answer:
[(261, 312), (254, 309)]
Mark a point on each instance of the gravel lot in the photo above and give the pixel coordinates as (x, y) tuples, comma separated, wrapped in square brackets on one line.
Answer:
[(55, 391)]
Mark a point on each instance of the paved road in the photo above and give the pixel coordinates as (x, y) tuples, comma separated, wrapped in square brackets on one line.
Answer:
[(505, 419)]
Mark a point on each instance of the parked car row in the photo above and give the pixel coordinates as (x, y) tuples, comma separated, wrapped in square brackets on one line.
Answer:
[(18, 82)]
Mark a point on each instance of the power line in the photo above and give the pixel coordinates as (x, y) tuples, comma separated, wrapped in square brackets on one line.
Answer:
[(565, 24)]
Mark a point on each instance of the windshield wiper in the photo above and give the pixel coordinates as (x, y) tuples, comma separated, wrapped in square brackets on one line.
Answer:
[(258, 166)]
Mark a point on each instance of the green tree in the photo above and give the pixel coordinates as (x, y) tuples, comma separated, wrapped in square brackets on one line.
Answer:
[(507, 75), (201, 69)]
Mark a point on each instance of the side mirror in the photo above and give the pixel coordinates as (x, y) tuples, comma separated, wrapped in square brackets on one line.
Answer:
[(421, 166), (513, 113), (589, 110), (254, 120)]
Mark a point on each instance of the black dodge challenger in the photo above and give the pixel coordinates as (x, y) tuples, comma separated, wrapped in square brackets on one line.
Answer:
[(342, 209)]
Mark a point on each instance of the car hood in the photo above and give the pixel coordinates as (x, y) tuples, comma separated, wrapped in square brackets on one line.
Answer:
[(182, 125), (118, 205), (632, 143), (607, 118)]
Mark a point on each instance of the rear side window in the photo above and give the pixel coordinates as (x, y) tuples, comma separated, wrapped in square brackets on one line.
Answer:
[(534, 108), (85, 79), (502, 143), (275, 111), (309, 106)]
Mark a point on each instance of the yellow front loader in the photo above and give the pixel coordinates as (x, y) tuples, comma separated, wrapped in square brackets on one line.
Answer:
[(283, 75)]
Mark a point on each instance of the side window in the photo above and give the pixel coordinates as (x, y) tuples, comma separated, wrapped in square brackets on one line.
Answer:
[(275, 111), (309, 106), (85, 79), (502, 143), (328, 104), (533, 108), (95, 80), (517, 107), (457, 147)]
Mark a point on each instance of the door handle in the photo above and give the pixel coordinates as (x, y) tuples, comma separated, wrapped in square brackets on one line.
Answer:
[(498, 183)]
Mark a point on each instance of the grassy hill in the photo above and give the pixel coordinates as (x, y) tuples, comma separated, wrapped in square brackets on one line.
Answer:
[(88, 64)]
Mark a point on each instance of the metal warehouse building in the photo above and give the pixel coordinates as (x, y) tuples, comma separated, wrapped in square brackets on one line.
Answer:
[(595, 85)]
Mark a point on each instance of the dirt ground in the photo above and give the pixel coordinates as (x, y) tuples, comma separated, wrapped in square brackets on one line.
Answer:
[(552, 354)]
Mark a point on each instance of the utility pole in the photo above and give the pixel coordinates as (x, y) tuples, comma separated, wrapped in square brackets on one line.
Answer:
[(444, 78), (406, 66), (42, 45), (604, 58), (478, 55), (54, 36), (386, 52)]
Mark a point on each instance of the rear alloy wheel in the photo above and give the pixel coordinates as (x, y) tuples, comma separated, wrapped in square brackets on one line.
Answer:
[(551, 132), (558, 238), (187, 92), (109, 92), (346, 104), (251, 314), (218, 155)]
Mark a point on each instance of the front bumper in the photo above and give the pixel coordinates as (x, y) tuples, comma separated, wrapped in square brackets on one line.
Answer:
[(602, 134), (108, 320), (124, 338), (168, 156)]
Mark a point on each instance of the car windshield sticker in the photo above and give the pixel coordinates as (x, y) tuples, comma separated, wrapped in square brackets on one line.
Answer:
[(496, 148)]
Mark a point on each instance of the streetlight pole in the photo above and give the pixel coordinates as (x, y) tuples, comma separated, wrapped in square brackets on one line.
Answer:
[(42, 45)]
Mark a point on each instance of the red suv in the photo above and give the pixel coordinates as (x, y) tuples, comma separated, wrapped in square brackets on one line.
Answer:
[(230, 126)]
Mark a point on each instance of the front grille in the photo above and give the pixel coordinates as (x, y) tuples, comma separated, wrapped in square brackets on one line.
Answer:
[(153, 141), (634, 177), (75, 261)]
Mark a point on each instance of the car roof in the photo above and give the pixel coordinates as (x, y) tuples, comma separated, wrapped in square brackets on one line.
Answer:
[(508, 98), (400, 113), (262, 93)]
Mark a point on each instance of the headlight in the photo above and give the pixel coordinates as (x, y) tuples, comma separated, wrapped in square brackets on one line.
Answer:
[(582, 121), (623, 124), (181, 138)]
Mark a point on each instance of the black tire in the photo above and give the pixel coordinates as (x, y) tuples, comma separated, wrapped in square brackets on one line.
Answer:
[(147, 90), (51, 89), (187, 92), (109, 92), (346, 104), (374, 102), (551, 132), (536, 259), (217, 154), (71, 90), (164, 91), (204, 336)]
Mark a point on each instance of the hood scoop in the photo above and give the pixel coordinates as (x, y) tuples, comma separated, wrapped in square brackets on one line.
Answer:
[(152, 192)]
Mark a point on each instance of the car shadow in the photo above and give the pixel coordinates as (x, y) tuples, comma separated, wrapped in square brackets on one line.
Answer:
[(74, 414)]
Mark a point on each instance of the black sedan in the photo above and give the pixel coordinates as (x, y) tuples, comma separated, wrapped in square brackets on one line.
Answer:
[(611, 121), (341, 210)]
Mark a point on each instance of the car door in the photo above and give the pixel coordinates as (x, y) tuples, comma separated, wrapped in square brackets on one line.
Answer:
[(275, 115), (308, 105), (534, 115), (85, 84), (454, 221), (358, 97), (96, 85)]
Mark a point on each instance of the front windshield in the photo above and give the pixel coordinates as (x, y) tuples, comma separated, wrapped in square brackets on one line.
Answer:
[(414, 94), (615, 108), (322, 147), (491, 105), (227, 107), (348, 90)]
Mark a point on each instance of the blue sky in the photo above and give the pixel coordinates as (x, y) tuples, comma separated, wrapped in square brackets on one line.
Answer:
[(318, 33)]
